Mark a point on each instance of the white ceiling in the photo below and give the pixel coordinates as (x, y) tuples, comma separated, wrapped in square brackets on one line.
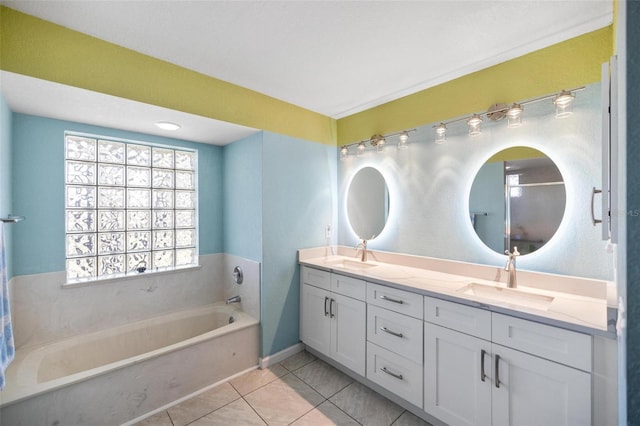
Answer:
[(333, 57)]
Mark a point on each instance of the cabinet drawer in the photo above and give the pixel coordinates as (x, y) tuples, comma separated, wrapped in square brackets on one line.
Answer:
[(315, 277), (395, 332), (395, 373), (455, 316), (348, 286), (401, 301), (556, 344)]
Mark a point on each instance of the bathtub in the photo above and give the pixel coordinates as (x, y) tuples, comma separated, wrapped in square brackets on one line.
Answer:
[(115, 375)]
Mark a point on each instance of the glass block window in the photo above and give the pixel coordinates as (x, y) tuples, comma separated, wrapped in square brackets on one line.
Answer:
[(130, 208)]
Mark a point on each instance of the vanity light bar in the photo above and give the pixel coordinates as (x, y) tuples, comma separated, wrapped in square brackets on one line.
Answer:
[(376, 141), (562, 101)]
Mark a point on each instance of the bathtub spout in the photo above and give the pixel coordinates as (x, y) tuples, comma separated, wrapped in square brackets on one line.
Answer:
[(234, 299)]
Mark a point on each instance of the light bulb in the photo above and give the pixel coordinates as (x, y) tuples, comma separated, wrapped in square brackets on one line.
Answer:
[(344, 152), (514, 116), (564, 104), (403, 139), (474, 125), (361, 148), (441, 133)]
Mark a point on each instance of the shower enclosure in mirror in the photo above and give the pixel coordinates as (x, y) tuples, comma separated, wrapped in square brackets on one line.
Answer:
[(368, 203), (517, 200)]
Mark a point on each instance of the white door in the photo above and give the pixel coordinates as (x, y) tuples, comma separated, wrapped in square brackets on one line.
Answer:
[(457, 388), (534, 391), (348, 332), (315, 327)]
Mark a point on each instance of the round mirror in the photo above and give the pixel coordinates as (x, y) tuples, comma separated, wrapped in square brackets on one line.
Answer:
[(368, 203), (517, 200)]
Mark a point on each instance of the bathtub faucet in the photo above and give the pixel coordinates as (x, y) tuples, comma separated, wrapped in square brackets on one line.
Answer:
[(234, 299)]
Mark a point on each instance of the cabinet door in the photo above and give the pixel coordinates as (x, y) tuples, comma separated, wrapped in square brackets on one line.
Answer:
[(534, 391), (315, 319), (348, 332), (454, 390)]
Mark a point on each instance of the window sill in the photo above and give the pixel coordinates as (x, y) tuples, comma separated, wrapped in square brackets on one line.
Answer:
[(125, 277)]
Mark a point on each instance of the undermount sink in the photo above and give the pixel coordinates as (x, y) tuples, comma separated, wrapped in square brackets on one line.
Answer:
[(508, 295), (351, 264)]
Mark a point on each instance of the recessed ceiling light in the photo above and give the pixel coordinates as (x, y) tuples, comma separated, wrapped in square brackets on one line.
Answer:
[(167, 125)]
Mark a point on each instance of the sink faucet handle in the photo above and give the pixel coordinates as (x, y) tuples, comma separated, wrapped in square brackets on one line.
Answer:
[(514, 254)]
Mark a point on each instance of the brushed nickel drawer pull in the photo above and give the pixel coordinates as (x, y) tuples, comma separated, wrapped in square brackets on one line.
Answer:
[(393, 333), (397, 376), (331, 314), (326, 312), (387, 298), (482, 374), (498, 371)]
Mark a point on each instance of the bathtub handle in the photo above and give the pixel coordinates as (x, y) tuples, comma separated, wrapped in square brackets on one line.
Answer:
[(331, 308), (326, 312)]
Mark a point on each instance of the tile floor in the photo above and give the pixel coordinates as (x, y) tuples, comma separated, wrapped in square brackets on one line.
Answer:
[(301, 390)]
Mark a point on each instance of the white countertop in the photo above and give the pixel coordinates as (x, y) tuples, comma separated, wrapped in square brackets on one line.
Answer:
[(571, 310)]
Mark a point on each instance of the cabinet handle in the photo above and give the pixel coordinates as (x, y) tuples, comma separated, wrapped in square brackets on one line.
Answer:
[(397, 376), (383, 297), (482, 374), (393, 333), (594, 191), (498, 371), (331, 314), (326, 312)]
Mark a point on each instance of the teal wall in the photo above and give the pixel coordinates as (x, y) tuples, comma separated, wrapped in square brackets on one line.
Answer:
[(5, 177), (38, 190), (299, 186), (242, 198)]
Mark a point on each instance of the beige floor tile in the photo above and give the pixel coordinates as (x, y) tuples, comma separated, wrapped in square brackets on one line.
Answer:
[(298, 360), (256, 378), (322, 377), (284, 400), (202, 404), (410, 419), (160, 419), (236, 413), (324, 415), (366, 406)]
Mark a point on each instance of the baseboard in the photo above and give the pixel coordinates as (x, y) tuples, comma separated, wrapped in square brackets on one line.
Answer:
[(270, 360)]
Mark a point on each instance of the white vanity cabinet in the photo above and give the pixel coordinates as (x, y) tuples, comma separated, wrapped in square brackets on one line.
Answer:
[(333, 316), (501, 370)]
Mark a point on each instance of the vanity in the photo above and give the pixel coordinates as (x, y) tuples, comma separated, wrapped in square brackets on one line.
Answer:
[(449, 331), (448, 341)]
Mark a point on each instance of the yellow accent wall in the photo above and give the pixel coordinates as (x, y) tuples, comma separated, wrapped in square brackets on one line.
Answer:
[(38, 48), (568, 64)]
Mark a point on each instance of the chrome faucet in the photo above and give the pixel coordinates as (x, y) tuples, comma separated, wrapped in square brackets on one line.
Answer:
[(512, 281), (234, 299), (362, 245)]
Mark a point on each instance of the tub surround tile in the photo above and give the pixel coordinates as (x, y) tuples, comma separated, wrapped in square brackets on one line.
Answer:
[(323, 378), (409, 419), (325, 414), (284, 400), (366, 406), (257, 378), (298, 360), (202, 404), (235, 413)]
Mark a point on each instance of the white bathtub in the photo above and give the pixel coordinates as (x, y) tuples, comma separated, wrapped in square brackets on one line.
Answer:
[(115, 375)]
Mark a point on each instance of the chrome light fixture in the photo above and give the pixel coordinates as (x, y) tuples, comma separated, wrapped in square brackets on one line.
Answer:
[(564, 104), (378, 142), (403, 139), (514, 115), (361, 148), (474, 125), (441, 133)]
